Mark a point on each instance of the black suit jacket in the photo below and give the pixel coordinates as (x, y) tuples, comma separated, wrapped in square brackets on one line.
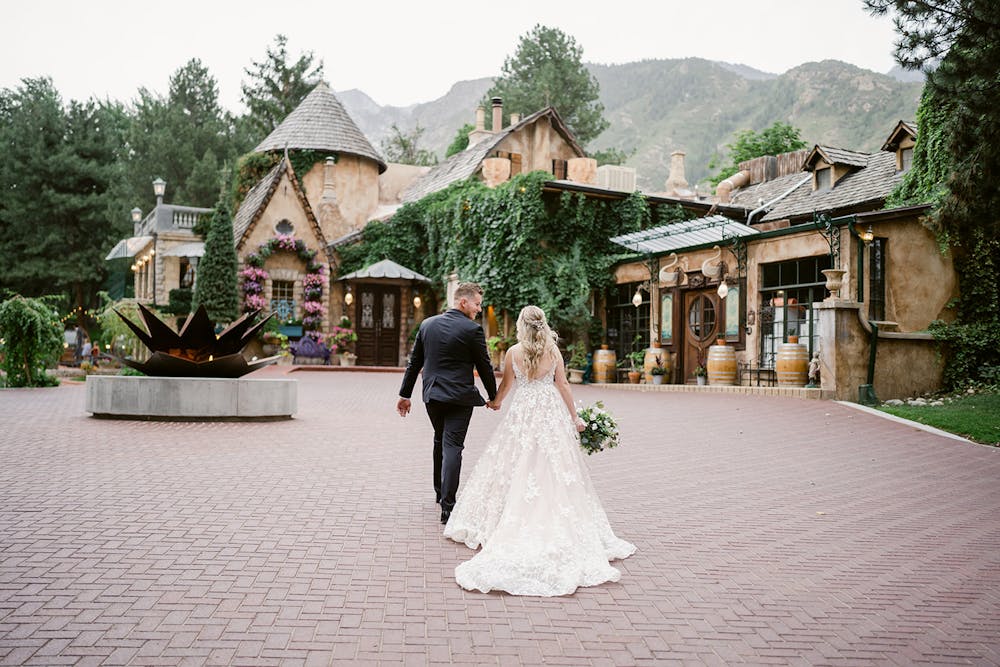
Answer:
[(447, 348)]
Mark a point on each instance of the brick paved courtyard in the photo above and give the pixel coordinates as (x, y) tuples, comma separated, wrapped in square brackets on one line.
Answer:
[(770, 531)]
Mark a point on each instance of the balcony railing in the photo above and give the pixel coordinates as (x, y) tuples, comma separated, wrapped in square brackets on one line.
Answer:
[(166, 217)]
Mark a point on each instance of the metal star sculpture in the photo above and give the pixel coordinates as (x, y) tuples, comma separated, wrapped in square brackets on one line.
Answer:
[(196, 351)]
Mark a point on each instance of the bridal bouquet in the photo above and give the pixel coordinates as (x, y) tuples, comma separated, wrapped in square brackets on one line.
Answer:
[(602, 429)]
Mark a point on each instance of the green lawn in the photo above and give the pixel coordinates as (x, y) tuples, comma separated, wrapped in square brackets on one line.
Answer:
[(974, 416)]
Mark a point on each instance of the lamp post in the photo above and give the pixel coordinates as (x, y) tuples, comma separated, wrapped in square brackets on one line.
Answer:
[(136, 214), (159, 188)]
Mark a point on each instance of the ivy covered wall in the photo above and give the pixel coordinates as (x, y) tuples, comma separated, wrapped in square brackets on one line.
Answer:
[(523, 245)]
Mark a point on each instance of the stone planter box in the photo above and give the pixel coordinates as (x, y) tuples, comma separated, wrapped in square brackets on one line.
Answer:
[(191, 399)]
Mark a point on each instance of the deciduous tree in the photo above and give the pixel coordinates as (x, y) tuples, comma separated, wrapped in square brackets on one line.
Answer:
[(404, 147), (774, 140)]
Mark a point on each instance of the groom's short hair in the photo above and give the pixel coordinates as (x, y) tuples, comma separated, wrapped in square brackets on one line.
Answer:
[(467, 291)]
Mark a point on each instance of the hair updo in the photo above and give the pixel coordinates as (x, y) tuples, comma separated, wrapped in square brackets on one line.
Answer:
[(535, 337)]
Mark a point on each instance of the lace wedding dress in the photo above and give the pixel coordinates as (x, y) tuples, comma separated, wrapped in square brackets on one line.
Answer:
[(531, 505)]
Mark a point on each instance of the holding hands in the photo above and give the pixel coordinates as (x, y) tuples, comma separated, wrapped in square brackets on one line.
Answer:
[(493, 405)]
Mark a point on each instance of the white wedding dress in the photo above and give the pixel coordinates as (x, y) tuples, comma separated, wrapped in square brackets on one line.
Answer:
[(531, 505)]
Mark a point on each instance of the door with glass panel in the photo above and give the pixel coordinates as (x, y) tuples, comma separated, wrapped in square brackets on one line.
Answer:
[(376, 321), (701, 327)]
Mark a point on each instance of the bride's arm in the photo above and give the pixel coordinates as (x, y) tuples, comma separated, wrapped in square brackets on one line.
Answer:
[(563, 386), (507, 381)]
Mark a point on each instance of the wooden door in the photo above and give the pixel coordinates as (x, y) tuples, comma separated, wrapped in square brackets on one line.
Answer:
[(701, 318), (377, 324)]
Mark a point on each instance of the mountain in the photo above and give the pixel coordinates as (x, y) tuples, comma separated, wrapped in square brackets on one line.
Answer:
[(658, 106)]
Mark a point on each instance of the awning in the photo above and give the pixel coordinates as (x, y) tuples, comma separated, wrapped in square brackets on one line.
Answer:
[(714, 229), (194, 249), (128, 248), (386, 269)]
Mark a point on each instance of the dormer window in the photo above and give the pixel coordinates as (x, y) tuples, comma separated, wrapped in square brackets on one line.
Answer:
[(906, 158), (824, 179)]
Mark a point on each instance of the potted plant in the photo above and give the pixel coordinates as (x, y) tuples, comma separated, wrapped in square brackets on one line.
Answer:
[(635, 361), (577, 364), (339, 340), (700, 374), (658, 371)]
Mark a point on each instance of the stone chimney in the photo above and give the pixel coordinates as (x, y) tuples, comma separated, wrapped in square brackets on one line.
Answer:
[(497, 114), (331, 220), (480, 132), (515, 118), (676, 183)]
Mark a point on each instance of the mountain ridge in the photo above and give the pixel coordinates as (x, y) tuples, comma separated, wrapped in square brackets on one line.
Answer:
[(657, 106)]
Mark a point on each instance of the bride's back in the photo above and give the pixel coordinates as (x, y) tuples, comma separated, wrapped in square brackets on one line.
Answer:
[(546, 363)]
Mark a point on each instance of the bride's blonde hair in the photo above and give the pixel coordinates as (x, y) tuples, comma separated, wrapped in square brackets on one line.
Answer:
[(535, 337)]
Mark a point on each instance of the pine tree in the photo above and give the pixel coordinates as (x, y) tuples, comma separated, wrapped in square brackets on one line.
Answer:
[(215, 285), (59, 169), (547, 70), (276, 87)]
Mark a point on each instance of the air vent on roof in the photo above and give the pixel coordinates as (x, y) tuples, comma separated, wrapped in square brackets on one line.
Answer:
[(613, 177)]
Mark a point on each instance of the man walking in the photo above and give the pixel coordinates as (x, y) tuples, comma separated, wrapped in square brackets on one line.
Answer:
[(447, 348)]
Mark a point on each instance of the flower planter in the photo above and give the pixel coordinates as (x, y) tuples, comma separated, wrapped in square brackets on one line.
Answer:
[(575, 376), (348, 359), (634, 377), (657, 379)]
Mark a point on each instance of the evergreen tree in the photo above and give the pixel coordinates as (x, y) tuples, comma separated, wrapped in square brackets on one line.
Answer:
[(956, 165), (775, 140), (276, 86), (184, 138), (57, 221), (215, 284), (547, 70)]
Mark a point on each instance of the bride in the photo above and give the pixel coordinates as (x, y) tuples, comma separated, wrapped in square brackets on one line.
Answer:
[(530, 503)]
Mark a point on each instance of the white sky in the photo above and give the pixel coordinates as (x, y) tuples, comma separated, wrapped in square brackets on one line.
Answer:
[(402, 52)]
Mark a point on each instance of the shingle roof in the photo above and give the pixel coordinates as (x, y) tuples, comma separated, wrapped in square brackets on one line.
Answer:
[(867, 186), (833, 155), (253, 203), (463, 165), (320, 123), (684, 234)]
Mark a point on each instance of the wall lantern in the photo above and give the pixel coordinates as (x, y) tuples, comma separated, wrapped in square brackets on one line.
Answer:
[(349, 296)]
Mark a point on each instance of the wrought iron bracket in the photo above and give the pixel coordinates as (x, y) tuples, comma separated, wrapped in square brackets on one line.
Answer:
[(825, 225)]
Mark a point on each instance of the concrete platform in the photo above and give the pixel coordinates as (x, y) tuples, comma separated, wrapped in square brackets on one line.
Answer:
[(191, 399)]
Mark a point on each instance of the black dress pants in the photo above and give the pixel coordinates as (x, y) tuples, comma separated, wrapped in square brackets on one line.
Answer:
[(451, 423)]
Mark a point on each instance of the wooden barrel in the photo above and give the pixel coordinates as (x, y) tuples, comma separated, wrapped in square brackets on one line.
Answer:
[(792, 363), (721, 365), (604, 365), (649, 362)]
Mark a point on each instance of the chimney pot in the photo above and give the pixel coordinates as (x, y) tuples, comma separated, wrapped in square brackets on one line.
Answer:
[(497, 114), (515, 118), (480, 119)]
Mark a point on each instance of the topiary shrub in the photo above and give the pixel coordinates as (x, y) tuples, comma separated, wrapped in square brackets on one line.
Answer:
[(32, 341)]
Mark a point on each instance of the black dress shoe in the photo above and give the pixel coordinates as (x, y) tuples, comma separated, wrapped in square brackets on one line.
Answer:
[(444, 516)]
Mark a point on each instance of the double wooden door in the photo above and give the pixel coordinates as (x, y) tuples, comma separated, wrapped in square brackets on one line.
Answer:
[(376, 320)]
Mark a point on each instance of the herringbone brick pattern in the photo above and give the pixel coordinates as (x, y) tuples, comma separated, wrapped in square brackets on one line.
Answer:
[(770, 531)]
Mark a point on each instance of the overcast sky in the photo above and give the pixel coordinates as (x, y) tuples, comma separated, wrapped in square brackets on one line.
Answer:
[(402, 52)]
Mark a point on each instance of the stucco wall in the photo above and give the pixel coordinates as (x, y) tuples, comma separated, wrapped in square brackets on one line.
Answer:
[(538, 144), (356, 183), (905, 364)]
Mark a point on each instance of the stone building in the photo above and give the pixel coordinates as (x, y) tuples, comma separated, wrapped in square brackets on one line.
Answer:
[(753, 273)]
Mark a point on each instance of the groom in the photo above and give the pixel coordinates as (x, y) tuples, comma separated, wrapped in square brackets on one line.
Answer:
[(448, 346)]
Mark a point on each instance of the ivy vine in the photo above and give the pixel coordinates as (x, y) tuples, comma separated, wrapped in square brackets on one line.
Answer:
[(524, 246)]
